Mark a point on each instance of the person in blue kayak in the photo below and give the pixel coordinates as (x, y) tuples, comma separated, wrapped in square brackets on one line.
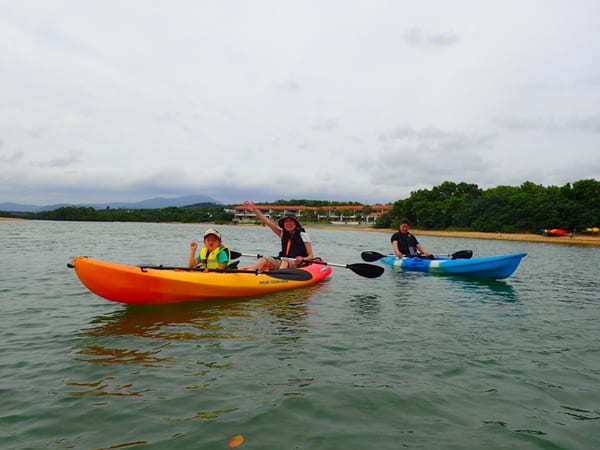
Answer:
[(405, 244), (214, 255), (295, 242)]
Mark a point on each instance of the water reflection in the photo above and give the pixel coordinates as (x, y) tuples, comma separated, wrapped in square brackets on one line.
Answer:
[(187, 321), (486, 288), (106, 355), (105, 387), (201, 320), (482, 288), (163, 342)]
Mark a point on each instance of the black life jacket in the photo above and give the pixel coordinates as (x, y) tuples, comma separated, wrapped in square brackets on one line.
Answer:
[(407, 244), (292, 245)]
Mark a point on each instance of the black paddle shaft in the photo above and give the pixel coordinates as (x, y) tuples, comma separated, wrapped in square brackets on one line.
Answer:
[(282, 274), (371, 256)]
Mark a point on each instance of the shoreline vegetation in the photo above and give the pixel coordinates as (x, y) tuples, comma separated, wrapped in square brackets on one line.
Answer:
[(575, 239)]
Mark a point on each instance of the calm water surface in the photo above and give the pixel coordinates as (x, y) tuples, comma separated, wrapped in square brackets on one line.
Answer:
[(408, 360)]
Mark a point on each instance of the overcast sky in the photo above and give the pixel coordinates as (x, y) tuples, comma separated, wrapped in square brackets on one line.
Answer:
[(262, 100)]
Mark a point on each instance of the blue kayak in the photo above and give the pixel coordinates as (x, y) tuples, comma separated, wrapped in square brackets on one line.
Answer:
[(501, 266)]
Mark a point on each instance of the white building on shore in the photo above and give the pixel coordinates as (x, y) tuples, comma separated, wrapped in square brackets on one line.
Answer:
[(339, 214)]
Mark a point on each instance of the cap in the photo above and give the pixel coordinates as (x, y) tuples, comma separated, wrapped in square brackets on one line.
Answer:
[(404, 220), (213, 232), (288, 216)]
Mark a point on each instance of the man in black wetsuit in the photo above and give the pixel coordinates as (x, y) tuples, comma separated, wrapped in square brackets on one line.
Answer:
[(405, 244)]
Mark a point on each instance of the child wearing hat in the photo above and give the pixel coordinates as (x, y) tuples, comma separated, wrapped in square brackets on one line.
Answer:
[(213, 255), (295, 243)]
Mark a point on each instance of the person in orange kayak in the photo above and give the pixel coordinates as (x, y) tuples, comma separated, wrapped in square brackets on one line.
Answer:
[(214, 255), (295, 242), (405, 244)]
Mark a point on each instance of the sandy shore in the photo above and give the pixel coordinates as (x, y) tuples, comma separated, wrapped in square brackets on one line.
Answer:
[(577, 239), (11, 219)]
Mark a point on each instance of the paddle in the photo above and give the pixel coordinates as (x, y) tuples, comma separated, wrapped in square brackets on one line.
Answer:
[(283, 274), (462, 254), (364, 270), (374, 256)]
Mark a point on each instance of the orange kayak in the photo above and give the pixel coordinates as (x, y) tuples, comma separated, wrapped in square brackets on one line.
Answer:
[(156, 285)]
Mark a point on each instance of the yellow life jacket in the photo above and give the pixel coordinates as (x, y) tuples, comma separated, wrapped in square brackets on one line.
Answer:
[(210, 260)]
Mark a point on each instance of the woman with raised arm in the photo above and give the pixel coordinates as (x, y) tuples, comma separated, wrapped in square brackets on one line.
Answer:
[(295, 243)]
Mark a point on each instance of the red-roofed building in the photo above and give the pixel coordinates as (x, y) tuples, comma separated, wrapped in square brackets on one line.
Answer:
[(349, 214)]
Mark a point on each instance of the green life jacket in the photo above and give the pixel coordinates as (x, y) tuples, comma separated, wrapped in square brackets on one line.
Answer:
[(210, 260)]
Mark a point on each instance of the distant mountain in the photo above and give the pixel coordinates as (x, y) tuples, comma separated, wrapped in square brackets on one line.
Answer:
[(152, 203), (8, 206)]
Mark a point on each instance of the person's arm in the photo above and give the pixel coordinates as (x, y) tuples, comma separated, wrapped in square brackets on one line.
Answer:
[(309, 251), (252, 207), (396, 249), (223, 260), (192, 260), (422, 250)]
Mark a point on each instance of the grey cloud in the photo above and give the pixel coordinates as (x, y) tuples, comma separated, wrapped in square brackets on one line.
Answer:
[(589, 124), (443, 39), (428, 155), (59, 162), (401, 133), (565, 172), (417, 38), (36, 133), (51, 35), (12, 158), (326, 125), (433, 135), (290, 86), (517, 123), (592, 81), (579, 170)]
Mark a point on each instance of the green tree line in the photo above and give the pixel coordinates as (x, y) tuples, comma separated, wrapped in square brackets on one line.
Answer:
[(525, 208), (212, 213)]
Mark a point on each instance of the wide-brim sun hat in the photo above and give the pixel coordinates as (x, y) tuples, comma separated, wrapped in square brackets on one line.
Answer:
[(213, 232), (288, 216)]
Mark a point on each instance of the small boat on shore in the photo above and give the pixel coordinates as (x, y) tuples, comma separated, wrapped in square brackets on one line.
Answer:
[(555, 232), (497, 267), (152, 285)]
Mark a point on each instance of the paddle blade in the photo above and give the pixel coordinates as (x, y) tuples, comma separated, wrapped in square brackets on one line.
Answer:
[(371, 256), (366, 270), (289, 274), (462, 254), (235, 255)]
